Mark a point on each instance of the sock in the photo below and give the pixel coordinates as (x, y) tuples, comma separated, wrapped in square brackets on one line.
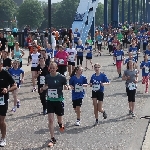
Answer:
[(96, 120), (78, 119)]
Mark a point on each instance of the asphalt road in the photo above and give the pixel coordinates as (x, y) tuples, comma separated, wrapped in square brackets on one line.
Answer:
[(28, 130)]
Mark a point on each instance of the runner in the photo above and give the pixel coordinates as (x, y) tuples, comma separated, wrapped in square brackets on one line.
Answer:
[(130, 76), (71, 59), (34, 58), (119, 56), (15, 72), (88, 55), (42, 70), (17, 54), (98, 81), (145, 66), (10, 39), (62, 57), (3, 42), (77, 82), (54, 84), (7, 62), (5, 81)]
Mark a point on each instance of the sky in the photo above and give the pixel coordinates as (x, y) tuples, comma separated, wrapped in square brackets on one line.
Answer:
[(55, 1)]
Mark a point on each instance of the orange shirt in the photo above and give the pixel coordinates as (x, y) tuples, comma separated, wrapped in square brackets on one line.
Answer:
[(56, 35), (31, 49)]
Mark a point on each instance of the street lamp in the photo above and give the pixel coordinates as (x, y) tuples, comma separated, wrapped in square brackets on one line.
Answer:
[(49, 19)]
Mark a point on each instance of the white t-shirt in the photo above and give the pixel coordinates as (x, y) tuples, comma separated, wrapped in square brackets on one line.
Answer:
[(35, 59), (72, 54)]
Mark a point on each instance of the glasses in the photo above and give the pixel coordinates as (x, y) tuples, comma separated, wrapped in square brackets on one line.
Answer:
[(96, 67)]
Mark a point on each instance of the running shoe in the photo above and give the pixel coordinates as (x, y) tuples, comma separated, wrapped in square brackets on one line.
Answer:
[(52, 142), (77, 123), (133, 115), (104, 115), (44, 112), (34, 90), (13, 109), (3, 143), (18, 104), (96, 123), (62, 129)]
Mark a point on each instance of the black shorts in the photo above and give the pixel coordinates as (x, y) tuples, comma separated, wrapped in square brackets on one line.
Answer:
[(71, 63), (10, 48), (14, 34), (3, 109), (62, 69), (56, 107), (98, 95), (88, 58), (2, 48), (33, 68), (131, 95), (77, 102)]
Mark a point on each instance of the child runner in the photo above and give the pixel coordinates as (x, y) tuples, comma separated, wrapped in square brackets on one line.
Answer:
[(119, 56), (79, 49), (77, 82), (130, 76), (16, 71), (145, 66), (88, 55), (54, 84), (42, 70), (98, 80), (129, 58), (147, 52)]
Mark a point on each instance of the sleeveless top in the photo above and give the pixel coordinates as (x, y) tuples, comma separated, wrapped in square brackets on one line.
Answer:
[(17, 55)]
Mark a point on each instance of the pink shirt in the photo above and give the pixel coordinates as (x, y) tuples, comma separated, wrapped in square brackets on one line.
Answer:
[(62, 57)]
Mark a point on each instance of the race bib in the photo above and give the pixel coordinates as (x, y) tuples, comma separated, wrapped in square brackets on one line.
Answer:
[(134, 52), (99, 42), (71, 58), (104, 39), (145, 41), (119, 57), (88, 51), (61, 61), (138, 40), (78, 88), (96, 87), (109, 43), (52, 93), (42, 80), (17, 79), (75, 35), (146, 69), (2, 100), (132, 86), (34, 61)]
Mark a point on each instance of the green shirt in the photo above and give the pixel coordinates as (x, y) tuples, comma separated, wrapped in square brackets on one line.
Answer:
[(119, 36), (90, 42), (10, 40)]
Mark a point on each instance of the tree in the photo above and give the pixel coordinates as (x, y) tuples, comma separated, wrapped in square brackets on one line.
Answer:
[(30, 13), (7, 11)]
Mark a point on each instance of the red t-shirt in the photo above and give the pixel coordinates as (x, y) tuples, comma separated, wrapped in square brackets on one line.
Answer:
[(62, 58), (29, 41)]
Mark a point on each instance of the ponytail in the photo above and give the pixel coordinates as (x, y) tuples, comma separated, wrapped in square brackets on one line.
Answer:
[(74, 71)]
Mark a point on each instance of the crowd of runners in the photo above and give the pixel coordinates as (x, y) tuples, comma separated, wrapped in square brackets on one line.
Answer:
[(59, 66)]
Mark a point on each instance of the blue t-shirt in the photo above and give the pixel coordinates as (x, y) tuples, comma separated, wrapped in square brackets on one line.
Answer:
[(139, 37), (16, 75), (147, 52), (79, 49), (49, 52), (97, 80), (145, 39), (128, 59), (89, 51), (145, 71), (119, 54), (134, 51), (76, 36), (78, 91), (99, 38)]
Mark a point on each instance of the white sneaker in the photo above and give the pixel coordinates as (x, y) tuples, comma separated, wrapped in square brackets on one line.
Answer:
[(77, 123), (3, 143)]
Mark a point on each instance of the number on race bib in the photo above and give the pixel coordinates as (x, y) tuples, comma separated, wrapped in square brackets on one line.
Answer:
[(52, 93), (132, 86), (119, 57), (78, 88), (109, 43), (75, 35), (96, 87), (16, 78), (2, 100), (42, 80), (99, 42), (71, 58), (61, 61), (146, 70)]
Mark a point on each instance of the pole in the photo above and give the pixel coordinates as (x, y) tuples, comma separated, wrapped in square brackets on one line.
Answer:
[(122, 11), (49, 19), (144, 11), (137, 17), (141, 11), (93, 29), (128, 11), (148, 12), (105, 14), (133, 11)]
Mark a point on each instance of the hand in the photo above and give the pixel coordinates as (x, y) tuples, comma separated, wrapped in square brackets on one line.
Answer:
[(41, 90), (127, 77), (4, 90), (71, 87), (27, 64), (40, 71), (101, 84)]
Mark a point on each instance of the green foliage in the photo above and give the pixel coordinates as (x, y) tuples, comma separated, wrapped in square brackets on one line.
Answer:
[(30, 13), (7, 11)]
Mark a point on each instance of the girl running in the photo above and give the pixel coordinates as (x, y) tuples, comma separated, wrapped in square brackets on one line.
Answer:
[(16, 71), (131, 77), (97, 82), (145, 66), (42, 70), (77, 82), (54, 84)]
